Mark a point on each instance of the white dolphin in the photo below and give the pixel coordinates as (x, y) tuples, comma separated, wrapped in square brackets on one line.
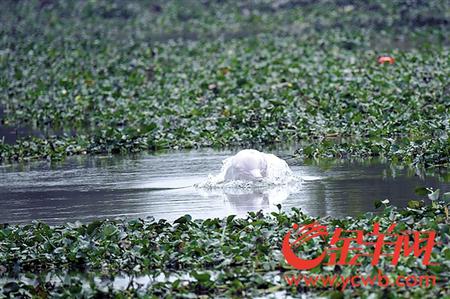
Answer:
[(253, 165), (247, 165)]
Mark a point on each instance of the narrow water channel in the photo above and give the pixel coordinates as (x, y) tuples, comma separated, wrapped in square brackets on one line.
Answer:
[(161, 185)]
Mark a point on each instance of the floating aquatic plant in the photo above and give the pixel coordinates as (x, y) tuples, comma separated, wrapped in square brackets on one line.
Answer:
[(156, 76), (215, 257)]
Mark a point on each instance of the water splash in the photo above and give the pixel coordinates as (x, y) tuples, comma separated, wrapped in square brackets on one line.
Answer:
[(278, 173), (244, 195)]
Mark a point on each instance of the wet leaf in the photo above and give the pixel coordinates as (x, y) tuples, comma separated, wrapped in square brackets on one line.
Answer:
[(434, 195), (421, 191), (93, 226), (11, 287), (183, 219), (201, 277), (414, 204), (378, 204), (446, 196)]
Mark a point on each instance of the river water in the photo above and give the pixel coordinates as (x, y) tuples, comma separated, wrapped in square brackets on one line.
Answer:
[(161, 185)]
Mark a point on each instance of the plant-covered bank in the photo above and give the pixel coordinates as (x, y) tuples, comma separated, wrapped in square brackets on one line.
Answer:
[(237, 257), (116, 78)]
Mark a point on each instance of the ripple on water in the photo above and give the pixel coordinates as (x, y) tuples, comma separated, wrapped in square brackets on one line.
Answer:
[(161, 185)]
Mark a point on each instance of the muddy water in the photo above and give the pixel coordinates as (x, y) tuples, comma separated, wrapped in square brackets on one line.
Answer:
[(161, 185)]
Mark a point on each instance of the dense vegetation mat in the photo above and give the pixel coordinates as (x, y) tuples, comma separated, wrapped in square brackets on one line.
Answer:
[(238, 257), (105, 76)]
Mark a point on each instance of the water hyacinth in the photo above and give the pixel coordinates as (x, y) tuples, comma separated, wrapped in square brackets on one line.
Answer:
[(219, 257), (215, 74)]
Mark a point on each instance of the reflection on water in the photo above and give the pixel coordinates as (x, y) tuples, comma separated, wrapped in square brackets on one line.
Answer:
[(86, 188)]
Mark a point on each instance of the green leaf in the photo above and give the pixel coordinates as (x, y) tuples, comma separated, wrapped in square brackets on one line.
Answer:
[(11, 287), (183, 219), (446, 196), (109, 230), (93, 226), (230, 218), (201, 276), (434, 195), (414, 204), (421, 191), (378, 204)]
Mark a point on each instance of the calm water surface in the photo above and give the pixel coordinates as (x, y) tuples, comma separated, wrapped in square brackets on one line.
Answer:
[(161, 185)]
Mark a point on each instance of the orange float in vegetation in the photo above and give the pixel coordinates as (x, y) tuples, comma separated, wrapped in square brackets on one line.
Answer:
[(386, 59)]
